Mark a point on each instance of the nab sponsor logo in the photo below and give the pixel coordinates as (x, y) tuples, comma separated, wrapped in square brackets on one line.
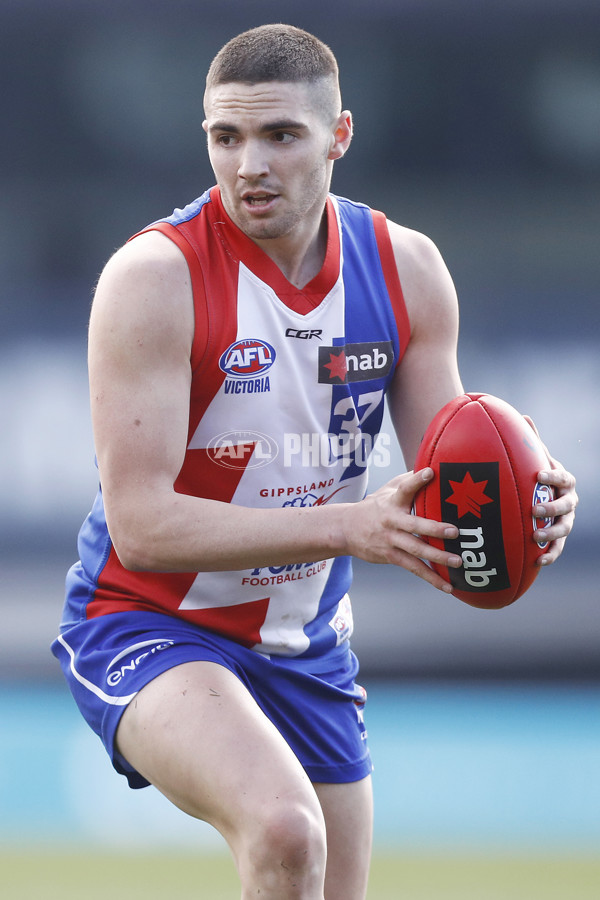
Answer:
[(355, 362), (247, 359), (468, 496), (470, 499), (242, 449)]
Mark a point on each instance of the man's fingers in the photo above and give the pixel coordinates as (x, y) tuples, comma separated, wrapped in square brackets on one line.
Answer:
[(420, 549), (442, 531), (410, 484), (417, 567)]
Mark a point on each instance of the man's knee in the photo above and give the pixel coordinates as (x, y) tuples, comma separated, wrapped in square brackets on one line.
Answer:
[(289, 841)]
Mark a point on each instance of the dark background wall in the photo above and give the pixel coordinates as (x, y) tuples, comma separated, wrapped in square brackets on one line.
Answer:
[(476, 122)]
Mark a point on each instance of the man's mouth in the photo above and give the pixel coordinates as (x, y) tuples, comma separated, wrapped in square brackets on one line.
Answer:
[(257, 200)]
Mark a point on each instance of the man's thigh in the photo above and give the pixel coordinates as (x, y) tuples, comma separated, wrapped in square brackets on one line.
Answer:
[(196, 733), (315, 705)]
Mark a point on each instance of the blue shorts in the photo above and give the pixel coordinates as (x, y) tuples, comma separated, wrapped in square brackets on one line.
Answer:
[(315, 704)]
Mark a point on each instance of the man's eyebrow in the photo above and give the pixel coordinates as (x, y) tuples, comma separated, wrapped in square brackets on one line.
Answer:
[(278, 125), (283, 125), (223, 126)]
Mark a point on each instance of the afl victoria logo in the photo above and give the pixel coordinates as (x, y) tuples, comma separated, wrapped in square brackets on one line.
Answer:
[(247, 358)]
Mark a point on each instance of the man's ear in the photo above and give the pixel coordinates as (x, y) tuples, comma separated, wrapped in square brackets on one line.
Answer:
[(342, 135)]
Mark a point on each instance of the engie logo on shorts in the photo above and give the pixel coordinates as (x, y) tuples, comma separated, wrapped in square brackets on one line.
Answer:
[(128, 661), (247, 359)]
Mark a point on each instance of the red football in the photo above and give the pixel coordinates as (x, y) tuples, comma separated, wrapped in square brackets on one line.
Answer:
[(486, 458)]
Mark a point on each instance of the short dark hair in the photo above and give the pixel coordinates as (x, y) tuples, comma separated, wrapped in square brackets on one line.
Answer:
[(275, 53)]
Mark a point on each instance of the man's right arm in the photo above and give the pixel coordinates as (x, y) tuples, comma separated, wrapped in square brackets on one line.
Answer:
[(140, 338), (141, 332)]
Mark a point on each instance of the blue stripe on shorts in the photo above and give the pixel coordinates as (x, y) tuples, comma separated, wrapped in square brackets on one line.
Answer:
[(316, 705)]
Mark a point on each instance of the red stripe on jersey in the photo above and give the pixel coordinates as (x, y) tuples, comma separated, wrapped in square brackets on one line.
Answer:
[(392, 279), (119, 589), (215, 311), (241, 623), (300, 300), (202, 476), (201, 331), (211, 263)]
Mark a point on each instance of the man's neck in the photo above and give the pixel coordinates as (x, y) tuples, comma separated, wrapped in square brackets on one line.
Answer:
[(299, 259)]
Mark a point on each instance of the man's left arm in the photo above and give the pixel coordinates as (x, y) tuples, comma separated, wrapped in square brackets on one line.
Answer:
[(428, 376)]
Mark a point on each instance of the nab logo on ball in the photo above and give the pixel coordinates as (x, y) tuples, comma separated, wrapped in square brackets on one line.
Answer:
[(470, 499), (247, 359)]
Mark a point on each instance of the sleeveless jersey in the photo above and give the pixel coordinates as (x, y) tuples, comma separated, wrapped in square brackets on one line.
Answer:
[(286, 403)]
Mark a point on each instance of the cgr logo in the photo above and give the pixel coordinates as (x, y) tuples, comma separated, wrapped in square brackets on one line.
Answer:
[(247, 358), (470, 499), (305, 334)]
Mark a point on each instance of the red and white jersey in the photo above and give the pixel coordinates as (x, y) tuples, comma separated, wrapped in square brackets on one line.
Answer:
[(286, 403)]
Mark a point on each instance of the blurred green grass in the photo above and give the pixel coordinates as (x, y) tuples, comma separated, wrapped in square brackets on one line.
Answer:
[(60, 875)]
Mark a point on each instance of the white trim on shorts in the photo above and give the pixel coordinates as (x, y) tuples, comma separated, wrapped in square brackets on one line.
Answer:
[(107, 698)]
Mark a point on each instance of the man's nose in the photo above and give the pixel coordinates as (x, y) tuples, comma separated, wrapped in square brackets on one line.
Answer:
[(253, 161)]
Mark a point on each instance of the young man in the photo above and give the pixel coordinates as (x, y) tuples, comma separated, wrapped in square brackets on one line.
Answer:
[(240, 352)]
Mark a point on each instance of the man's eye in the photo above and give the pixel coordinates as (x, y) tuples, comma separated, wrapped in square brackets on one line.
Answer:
[(226, 140), (283, 137)]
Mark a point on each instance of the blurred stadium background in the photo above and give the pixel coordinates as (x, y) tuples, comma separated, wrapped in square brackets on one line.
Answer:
[(477, 123)]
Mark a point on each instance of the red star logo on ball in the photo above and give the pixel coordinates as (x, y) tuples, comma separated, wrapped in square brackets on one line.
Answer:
[(468, 496), (337, 365)]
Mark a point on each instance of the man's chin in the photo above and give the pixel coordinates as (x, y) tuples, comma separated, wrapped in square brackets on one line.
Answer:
[(261, 229)]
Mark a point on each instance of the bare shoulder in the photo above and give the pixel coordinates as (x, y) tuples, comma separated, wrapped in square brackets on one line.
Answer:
[(410, 243), (146, 281), (426, 283), (150, 257)]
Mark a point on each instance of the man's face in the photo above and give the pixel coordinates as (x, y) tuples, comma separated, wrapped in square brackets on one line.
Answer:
[(271, 149)]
